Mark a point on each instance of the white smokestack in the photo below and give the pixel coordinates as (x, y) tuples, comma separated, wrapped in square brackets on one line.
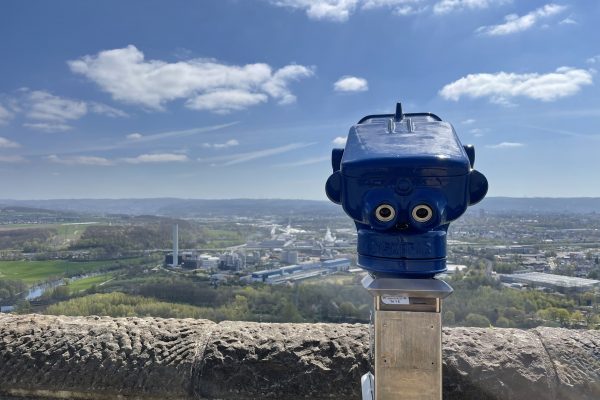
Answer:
[(175, 244)]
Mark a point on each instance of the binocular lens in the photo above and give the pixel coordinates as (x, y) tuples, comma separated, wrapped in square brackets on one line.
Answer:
[(422, 213), (385, 213)]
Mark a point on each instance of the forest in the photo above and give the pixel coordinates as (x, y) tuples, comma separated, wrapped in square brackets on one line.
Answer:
[(476, 301)]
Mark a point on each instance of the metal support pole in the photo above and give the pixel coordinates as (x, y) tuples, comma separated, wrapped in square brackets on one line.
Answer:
[(408, 337)]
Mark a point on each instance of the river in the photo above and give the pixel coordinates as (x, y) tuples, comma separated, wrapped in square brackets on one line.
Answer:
[(37, 291)]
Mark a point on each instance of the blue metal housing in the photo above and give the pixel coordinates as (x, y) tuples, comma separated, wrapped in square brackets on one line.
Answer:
[(403, 178)]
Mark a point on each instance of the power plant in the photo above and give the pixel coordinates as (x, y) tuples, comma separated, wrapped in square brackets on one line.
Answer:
[(175, 245)]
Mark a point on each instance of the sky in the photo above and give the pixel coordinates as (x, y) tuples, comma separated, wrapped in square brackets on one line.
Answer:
[(246, 98)]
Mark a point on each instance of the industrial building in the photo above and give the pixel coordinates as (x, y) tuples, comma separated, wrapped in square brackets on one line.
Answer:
[(300, 271), (559, 283), (232, 261), (289, 257), (192, 260), (169, 260), (338, 264)]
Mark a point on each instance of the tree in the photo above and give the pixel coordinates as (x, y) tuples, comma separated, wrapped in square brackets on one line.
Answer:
[(289, 312), (593, 322), (503, 322), (577, 317), (238, 310), (4, 294), (449, 318), (562, 316), (474, 319), (594, 273), (60, 293), (347, 309), (514, 314), (23, 307)]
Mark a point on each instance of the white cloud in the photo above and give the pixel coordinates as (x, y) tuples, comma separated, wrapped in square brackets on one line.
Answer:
[(351, 84), (8, 144), (478, 132), (332, 10), (102, 161), (341, 10), (409, 10), (104, 109), (44, 106), (339, 141), (308, 161), (399, 7), (568, 21), (135, 136), (277, 85), (469, 121), (502, 101), (229, 143), (502, 86), (5, 115), (179, 133), (515, 23), (505, 145), (157, 158), (142, 140), (48, 126), (12, 159), (225, 101), (51, 113), (80, 160), (593, 60), (254, 155), (447, 6), (205, 84)]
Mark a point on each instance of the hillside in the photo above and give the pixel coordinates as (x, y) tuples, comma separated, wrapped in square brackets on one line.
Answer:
[(252, 207)]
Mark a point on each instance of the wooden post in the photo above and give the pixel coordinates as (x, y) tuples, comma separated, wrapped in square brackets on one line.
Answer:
[(408, 337)]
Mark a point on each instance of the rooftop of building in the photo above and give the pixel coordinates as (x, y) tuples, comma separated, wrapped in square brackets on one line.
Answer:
[(551, 279)]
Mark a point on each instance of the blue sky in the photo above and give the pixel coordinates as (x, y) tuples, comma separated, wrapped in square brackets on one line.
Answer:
[(246, 98)]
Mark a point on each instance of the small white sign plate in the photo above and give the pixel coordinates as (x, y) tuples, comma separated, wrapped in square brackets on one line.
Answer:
[(387, 299)]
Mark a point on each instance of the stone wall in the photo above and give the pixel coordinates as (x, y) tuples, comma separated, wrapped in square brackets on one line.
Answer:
[(152, 358)]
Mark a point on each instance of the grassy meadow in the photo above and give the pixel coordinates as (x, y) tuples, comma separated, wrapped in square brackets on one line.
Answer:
[(32, 272), (86, 283)]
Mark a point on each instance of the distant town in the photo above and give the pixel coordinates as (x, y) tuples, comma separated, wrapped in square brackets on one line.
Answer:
[(544, 266)]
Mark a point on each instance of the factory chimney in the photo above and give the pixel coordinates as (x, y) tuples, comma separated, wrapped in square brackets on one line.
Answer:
[(175, 245)]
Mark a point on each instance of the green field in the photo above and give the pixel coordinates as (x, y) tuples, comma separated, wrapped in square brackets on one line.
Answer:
[(66, 234), (37, 271), (221, 238), (86, 283), (70, 230)]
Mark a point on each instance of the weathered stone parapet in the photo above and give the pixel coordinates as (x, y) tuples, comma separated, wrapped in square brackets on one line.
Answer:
[(99, 357), (246, 360), (145, 358)]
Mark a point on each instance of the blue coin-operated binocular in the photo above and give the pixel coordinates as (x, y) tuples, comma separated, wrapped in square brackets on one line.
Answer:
[(403, 178)]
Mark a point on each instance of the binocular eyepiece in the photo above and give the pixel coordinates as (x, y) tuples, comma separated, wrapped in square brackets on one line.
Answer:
[(422, 213), (385, 213), (403, 178)]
